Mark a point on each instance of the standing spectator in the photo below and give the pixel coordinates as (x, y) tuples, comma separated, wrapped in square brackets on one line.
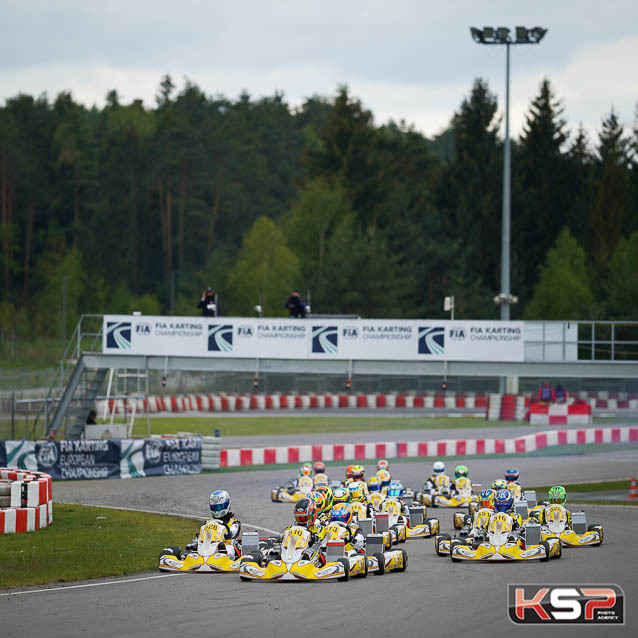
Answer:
[(296, 306), (560, 393), (546, 393), (207, 303)]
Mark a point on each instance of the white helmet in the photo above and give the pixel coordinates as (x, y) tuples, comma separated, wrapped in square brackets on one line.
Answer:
[(438, 467), (219, 503)]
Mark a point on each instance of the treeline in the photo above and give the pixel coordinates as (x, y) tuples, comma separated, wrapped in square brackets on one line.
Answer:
[(120, 205)]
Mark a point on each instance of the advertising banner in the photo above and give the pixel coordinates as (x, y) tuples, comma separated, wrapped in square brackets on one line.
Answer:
[(107, 458), (361, 339)]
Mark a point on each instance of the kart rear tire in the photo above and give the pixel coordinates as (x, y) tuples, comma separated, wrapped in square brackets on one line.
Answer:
[(172, 550), (381, 561), (545, 544), (365, 573), (472, 508), (346, 566), (405, 561), (596, 528)]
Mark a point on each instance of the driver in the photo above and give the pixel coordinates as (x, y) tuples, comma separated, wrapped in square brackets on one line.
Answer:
[(512, 475), (305, 513), (504, 502), (460, 471), (382, 464), (219, 502), (319, 467), (557, 495), (342, 513), (438, 469)]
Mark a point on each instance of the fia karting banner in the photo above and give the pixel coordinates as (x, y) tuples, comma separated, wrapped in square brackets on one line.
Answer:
[(108, 458), (360, 339)]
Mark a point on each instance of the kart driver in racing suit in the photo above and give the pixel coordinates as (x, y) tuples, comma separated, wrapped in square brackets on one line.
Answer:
[(438, 469), (342, 513), (557, 495), (305, 512), (219, 501), (486, 503)]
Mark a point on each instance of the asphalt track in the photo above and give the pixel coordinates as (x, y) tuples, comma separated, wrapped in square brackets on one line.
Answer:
[(434, 597)]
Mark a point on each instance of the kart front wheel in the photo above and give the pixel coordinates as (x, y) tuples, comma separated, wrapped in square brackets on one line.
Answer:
[(346, 566), (545, 544), (437, 541), (404, 561), (172, 550)]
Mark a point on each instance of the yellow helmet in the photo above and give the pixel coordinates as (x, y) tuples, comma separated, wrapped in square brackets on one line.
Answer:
[(340, 495), (374, 484), (357, 492), (384, 477)]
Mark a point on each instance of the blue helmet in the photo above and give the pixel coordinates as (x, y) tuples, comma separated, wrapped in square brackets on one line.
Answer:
[(219, 503), (503, 501), (395, 489), (511, 474)]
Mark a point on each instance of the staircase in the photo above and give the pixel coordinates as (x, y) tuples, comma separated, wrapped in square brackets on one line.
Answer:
[(80, 407)]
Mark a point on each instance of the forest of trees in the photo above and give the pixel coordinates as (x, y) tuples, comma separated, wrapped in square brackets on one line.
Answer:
[(256, 199)]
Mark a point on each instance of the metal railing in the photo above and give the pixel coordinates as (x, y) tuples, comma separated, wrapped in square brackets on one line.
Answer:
[(81, 340)]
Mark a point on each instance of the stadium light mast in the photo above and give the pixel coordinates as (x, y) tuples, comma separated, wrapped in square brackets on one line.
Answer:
[(501, 35)]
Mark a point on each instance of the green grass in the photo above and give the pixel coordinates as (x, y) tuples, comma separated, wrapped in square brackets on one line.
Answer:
[(597, 486), (263, 426), (89, 542)]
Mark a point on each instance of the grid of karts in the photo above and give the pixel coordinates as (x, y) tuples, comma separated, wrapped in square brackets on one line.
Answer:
[(531, 531)]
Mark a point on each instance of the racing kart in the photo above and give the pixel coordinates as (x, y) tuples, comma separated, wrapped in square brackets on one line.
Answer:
[(442, 495), (502, 543), (292, 491), (211, 554), (293, 559), (579, 535)]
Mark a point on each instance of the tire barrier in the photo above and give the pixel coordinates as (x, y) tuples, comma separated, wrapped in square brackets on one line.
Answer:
[(26, 501), (432, 449), (232, 403), (498, 407)]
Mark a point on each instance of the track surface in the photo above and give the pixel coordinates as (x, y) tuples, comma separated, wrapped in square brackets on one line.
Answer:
[(434, 597)]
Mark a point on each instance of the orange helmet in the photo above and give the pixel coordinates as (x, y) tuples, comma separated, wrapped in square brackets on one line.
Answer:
[(349, 471), (305, 512), (319, 467)]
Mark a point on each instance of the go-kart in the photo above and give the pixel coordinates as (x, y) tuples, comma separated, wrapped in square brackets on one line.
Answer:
[(580, 534), (293, 559), (211, 554), (502, 543), (292, 491), (335, 534), (443, 496), (471, 529)]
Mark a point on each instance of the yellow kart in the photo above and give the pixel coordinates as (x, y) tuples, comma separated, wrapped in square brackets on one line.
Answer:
[(211, 554), (335, 537), (292, 491), (505, 545), (442, 495), (579, 535), (296, 561)]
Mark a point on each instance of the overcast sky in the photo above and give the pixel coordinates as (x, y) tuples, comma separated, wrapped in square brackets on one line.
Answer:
[(405, 59)]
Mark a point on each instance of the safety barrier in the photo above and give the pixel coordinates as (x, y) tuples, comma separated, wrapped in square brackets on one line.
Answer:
[(577, 413), (415, 449), (231, 403), (26, 501)]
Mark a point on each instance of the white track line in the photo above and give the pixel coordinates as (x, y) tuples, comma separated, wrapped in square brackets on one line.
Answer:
[(110, 582)]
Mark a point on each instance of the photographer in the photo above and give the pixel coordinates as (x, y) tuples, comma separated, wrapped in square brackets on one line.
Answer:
[(296, 306), (208, 303)]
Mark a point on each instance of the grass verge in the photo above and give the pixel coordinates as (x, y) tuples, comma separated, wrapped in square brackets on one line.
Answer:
[(264, 426), (89, 542), (597, 486)]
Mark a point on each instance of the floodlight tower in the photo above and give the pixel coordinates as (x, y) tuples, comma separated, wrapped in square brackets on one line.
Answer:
[(501, 35)]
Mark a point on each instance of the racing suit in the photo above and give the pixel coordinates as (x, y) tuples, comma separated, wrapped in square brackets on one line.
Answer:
[(430, 485), (316, 536), (233, 529), (543, 521)]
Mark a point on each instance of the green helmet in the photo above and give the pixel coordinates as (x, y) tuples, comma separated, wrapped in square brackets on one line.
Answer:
[(499, 484), (460, 470), (557, 494)]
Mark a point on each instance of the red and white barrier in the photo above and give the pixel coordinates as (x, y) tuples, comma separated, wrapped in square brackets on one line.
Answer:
[(30, 497), (226, 403), (578, 413), (414, 449)]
